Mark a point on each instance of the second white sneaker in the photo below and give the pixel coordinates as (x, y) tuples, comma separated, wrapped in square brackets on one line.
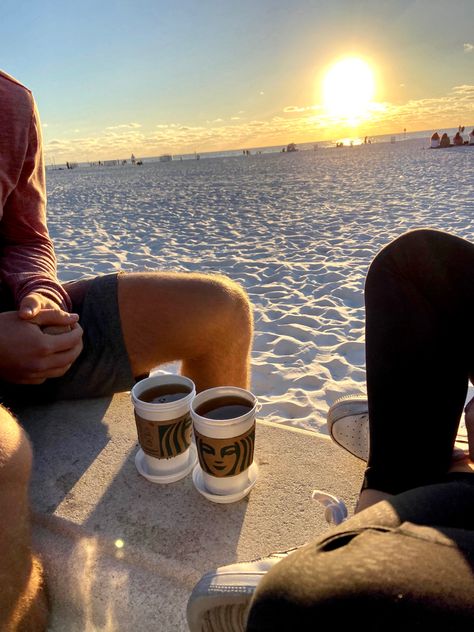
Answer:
[(348, 424)]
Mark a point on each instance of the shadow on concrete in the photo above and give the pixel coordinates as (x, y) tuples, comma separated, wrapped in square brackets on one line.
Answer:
[(67, 437), (122, 553)]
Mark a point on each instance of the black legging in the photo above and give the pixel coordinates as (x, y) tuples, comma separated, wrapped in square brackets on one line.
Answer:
[(406, 563), (419, 297), (381, 570)]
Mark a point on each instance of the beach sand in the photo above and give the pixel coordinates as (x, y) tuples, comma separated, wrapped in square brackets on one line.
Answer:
[(298, 231)]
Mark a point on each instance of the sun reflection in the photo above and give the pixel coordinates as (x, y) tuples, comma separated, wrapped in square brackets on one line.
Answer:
[(349, 142), (348, 90)]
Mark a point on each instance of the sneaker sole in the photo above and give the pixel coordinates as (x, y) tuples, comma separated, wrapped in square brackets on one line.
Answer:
[(220, 600)]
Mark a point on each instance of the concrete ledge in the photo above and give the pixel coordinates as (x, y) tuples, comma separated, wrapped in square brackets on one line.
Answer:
[(122, 553)]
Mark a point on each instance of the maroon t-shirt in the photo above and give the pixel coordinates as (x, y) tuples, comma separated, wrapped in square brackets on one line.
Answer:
[(27, 259)]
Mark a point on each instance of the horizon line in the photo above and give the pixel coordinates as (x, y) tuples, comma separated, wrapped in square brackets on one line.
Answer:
[(329, 142)]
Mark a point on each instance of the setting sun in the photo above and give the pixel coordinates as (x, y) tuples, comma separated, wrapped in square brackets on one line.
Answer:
[(348, 89)]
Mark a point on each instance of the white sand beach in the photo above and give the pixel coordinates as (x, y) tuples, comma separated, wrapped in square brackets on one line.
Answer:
[(298, 231)]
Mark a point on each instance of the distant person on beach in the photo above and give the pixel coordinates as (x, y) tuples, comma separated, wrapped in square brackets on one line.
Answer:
[(458, 139), (86, 338), (435, 141), (445, 141), (405, 560)]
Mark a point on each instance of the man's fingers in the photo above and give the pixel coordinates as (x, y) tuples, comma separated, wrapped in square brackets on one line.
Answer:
[(54, 362), (39, 378), (29, 307), (53, 318), (56, 354), (31, 380), (42, 375), (54, 330), (60, 360), (64, 342)]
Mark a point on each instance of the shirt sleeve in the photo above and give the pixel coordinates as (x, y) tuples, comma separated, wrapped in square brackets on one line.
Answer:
[(27, 261)]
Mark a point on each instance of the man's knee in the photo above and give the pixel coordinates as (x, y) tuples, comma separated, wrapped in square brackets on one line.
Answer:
[(230, 301), (15, 450)]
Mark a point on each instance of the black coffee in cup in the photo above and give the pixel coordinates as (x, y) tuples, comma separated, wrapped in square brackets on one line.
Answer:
[(164, 393), (227, 407)]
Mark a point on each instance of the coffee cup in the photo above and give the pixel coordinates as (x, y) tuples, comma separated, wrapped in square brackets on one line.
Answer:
[(224, 431), (162, 415)]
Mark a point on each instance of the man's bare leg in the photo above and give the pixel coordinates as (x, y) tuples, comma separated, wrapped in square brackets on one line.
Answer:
[(23, 605), (203, 320)]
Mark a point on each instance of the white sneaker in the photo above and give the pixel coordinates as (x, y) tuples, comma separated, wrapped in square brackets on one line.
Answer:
[(220, 600), (348, 424)]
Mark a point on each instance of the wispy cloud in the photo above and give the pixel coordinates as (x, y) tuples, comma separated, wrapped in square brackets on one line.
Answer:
[(124, 126), (294, 108), (455, 107), (468, 48)]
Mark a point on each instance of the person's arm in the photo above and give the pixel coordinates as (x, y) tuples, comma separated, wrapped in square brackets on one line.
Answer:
[(28, 355), (27, 261)]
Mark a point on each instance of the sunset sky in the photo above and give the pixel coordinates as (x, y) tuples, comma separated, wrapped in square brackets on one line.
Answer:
[(153, 76)]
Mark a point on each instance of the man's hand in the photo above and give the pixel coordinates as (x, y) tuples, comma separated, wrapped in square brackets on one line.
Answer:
[(28, 355), (32, 304)]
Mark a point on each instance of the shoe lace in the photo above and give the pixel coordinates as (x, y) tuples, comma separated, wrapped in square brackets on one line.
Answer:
[(335, 510)]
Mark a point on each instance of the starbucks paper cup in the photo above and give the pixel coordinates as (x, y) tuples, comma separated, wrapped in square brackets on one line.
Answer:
[(225, 446), (164, 430)]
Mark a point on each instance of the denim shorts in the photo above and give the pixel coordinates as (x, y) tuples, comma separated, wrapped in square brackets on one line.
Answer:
[(103, 367)]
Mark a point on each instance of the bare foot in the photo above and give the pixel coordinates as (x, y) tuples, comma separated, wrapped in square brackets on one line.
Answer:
[(369, 497), (469, 419), (462, 464)]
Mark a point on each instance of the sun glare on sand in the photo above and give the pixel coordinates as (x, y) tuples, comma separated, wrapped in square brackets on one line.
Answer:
[(348, 89)]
